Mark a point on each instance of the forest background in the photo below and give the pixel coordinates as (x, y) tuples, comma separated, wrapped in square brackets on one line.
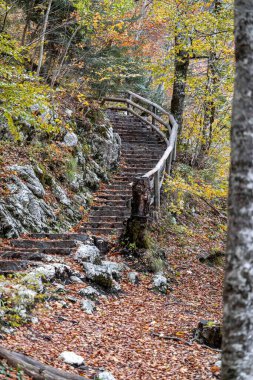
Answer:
[(171, 51)]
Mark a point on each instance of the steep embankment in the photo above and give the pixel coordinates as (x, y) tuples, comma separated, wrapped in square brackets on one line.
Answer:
[(55, 148), (47, 184)]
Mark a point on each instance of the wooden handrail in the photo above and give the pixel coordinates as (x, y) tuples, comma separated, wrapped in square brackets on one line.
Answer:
[(155, 176), (135, 105)]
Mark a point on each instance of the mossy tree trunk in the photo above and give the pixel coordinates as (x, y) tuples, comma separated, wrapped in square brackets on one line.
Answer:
[(136, 231)]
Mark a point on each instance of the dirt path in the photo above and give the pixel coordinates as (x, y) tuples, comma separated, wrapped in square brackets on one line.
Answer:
[(118, 337)]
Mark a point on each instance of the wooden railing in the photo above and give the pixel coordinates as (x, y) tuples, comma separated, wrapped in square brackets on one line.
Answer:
[(163, 124)]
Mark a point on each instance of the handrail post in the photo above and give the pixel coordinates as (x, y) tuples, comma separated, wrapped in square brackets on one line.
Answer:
[(153, 109), (175, 150), (169, 163), (130, 97), (157, 190)]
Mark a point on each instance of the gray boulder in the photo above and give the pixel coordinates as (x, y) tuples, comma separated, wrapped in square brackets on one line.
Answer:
[(70, 139), (160, 283), (71, 358), (89, 292), (115, 269), (133, 277), (88, 306), (99, 275), (87, 253), (76, 279), (47, 273), (68, 112), (105, 274), (105, 375)]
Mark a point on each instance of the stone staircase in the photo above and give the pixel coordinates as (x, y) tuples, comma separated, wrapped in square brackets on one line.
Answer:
[(141, 150)]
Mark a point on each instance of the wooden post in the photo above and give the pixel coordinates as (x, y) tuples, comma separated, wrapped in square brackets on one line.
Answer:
[(175, 151), (130, 97), (153, 109), (168, 163), (137, 223), (157, 190)]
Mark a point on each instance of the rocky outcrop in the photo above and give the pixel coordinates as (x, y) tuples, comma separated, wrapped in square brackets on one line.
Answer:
[(24, 209), (19, 295), (36, 200)]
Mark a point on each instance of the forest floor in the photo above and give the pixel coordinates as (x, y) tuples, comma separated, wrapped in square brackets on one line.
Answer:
[(119, 337)]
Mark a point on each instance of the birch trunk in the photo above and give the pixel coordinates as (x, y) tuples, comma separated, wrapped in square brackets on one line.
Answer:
[(237, 357)]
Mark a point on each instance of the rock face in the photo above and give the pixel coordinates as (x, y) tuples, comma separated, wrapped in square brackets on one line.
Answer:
[(209, 333), (71, 358), (107, 150), (25, 207)]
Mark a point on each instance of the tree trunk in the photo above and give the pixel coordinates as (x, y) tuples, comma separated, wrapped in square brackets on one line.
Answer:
[(27, 23), (58, 71), (5, 19), (209, 113), (182, 61), (237, 358), (136, 231), (43, 37), (211, 88)]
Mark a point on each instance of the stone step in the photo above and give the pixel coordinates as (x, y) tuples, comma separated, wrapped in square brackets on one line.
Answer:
[(110, 212), (122, 192), (46, 251), (110, 225), (110, 202), (105, 218), (140, 140), (31, 256), (109, 196), (140, 160), (125, 184), (146, 166), (69, 236), (43, 244), (11, 266), (141, 152), (103, 231), (139, 135), (146, 142)]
